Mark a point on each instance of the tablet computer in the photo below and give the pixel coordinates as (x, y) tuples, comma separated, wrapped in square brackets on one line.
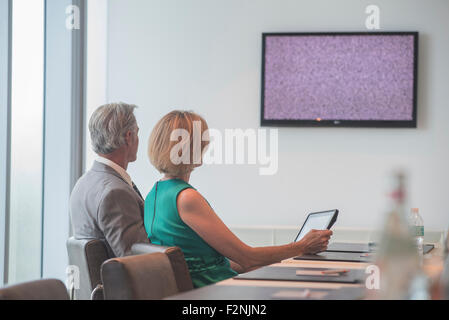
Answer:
[(318, 220)]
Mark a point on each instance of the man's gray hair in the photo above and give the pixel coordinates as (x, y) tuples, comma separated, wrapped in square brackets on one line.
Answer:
[(109, 124)]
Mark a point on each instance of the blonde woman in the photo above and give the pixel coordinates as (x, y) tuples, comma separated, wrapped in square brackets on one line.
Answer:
[(176, 214)]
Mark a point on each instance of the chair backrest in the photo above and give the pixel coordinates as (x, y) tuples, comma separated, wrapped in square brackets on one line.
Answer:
[(88, 255), (141, 277), (177, 261), (48, 289)]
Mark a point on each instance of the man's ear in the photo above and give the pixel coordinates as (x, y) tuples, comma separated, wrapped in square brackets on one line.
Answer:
[(128, 137)]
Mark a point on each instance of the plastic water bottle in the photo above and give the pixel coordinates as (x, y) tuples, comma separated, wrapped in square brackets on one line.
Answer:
[(417, 229), (420, 286)]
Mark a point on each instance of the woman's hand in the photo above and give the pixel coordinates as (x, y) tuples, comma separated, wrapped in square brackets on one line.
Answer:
[(315, 241)]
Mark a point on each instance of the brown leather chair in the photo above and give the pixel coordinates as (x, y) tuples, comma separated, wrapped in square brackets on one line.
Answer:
[(88, 255), (177, 261), (140, 277), (48, 289)]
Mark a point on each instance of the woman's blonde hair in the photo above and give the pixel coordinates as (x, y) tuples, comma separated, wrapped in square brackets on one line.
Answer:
[(165, 149)]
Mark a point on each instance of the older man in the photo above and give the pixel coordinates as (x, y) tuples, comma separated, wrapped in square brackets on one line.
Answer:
[(105, 203)]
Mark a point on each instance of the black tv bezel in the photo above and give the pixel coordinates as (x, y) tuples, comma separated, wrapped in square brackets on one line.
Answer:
[(342, 123)]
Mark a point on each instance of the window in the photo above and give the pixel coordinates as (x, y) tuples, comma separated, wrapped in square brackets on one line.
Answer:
[(27, 116)]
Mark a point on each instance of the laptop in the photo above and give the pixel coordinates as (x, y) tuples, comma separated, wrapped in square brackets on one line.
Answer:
[(364, 247)]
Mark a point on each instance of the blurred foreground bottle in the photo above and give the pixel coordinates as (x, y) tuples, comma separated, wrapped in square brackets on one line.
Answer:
[(397, 257)]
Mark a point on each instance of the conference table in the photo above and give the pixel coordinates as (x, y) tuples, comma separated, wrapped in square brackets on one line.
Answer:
[(241, 289)]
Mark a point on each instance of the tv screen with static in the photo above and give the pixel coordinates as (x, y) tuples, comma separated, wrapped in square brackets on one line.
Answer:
[(341, 79)]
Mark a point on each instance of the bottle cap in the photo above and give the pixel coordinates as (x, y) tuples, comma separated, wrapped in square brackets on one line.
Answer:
[(415, 210)]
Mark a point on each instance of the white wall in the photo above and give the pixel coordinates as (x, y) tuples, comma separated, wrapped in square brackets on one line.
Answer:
[(205, 55)]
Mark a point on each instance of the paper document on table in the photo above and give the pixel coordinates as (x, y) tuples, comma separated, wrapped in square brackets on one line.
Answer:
[(299, 294), (315, 273)]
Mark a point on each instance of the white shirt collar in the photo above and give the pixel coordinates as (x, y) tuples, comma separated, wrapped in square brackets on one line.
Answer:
[(122, 172)]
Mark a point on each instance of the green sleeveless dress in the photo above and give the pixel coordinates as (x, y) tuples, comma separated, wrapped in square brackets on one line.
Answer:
[(165, 227)]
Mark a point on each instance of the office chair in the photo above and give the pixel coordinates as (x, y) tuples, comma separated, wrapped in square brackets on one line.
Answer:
[(48, 289), (88, 255), (177, 261), (140, 277)]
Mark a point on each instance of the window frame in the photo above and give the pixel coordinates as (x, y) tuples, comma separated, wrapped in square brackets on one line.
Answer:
[(64, 109), (55, 223), (5, 132)]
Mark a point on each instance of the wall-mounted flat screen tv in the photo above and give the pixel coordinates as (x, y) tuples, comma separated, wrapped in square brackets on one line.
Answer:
[(344, 79)]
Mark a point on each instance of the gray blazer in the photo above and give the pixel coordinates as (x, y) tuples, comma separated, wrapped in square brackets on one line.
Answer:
[(104, 206)]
